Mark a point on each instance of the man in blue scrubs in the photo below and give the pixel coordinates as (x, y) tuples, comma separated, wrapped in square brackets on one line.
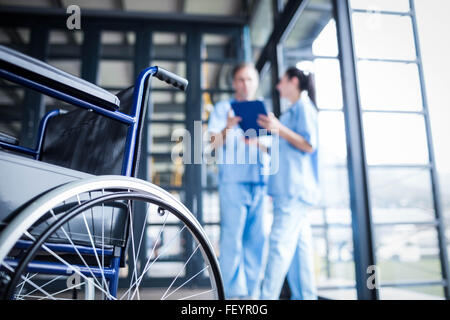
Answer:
[(241, 192)]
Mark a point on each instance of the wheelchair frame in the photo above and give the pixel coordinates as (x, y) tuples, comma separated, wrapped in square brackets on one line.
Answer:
[(10, 237)]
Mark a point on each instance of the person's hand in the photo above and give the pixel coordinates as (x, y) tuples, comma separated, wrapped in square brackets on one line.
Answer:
[(255, 142), (251, 141), (232, 121), (269, 122)]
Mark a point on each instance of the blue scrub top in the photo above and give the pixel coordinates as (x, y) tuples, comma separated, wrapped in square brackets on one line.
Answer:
[(237, 161), (297, 174)]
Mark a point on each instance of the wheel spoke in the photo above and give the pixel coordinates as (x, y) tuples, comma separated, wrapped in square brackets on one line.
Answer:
[(143, 229), (179, 272), (78, 253), (137, 282), (67, 289), (134, 274), (7, 266), (23, 282), (74, 269), (42, 298), (197, 294), (93, 244), (20, 284), (148, 264), (159, 255), (187, 281), (103, 233), (51, 281)]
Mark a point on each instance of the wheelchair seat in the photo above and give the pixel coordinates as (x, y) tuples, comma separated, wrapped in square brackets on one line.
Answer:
[(25, 179)]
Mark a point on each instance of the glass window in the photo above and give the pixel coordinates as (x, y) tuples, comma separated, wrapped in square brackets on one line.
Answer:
[(213, 234), (261, 26), (218, 47), (165, 137), (327, 76), (395, 139), (334, 191), (389, 86), (388, 5), (210, 177), (168, 106), (211, 207), (409, 292), (309, 29), (332, 142), (401, 189), (432, 22), (64, 53), (223, 8), (168, 45), (326, 42), (401, 195), (116, 74), (312, 47), (118, 37), (265, 87), (166, 269), (383, 36), (72, 66), (217, 75), (117, 45), (59, 37), (334, 265), (165, 171), (12, 107), (15, 38), (211, 98), (407, 253)]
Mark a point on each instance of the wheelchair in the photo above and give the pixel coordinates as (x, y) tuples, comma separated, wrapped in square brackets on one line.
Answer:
[(72, 212)]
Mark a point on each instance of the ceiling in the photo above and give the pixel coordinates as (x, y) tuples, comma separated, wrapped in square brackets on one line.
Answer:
[(194, 7)]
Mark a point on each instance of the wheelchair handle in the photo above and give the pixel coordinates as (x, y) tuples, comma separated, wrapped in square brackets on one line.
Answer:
[(171, 78)]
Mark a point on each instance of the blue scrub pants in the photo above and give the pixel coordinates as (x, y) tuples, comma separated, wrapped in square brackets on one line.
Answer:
[(242, 238), (290, 252)]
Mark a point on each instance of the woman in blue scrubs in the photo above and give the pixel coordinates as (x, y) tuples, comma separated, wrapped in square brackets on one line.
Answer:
[(293, 189)]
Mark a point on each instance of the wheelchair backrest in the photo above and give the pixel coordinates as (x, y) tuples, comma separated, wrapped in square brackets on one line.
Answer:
[(86, 141), (101, 137)]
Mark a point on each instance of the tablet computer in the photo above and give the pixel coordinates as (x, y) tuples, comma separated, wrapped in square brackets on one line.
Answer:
[(249, 111)]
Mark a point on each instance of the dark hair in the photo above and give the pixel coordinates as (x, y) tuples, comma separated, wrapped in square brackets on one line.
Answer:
[(305, 81), (241, 66)]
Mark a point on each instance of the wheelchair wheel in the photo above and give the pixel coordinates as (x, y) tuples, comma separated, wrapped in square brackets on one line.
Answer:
[(80, 234)]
